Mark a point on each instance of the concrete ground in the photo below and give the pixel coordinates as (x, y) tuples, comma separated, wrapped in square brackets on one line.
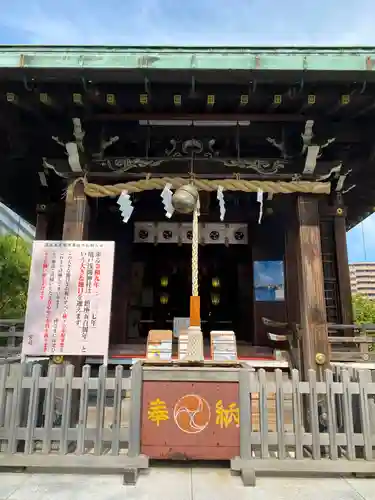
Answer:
[(167, 483)]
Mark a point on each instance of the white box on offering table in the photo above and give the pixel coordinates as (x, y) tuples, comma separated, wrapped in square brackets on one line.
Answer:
[(182, 344), (159, 345), (223, 346)]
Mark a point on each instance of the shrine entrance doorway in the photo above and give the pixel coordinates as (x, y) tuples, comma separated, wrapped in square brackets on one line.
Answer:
[(164, 288)]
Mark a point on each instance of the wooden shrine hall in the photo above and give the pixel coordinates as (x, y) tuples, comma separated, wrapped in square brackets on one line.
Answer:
[(280, 149)]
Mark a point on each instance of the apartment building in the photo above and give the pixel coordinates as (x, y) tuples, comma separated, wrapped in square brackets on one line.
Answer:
[(362, 278)]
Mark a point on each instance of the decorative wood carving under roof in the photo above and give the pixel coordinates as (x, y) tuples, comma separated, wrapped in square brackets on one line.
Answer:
[(279, 114)]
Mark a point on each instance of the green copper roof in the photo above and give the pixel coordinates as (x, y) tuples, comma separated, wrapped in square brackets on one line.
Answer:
[(190, 58)]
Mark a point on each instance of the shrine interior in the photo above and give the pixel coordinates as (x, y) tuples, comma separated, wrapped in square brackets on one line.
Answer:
[(152, 281)]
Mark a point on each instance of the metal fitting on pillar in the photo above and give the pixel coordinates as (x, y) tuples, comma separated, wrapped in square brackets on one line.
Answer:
[(320, 358)]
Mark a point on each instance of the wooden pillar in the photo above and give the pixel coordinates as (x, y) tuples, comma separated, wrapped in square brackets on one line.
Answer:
[(76, 216), (246, 295), (122, 283), (41, 227), (342, 263), (75, 227), (292, 284), (315, 348), (291, 273)]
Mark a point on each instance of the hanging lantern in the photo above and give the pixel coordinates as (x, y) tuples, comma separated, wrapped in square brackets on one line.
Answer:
[(215, 299), (215, 282), (164, 281), (185, 199), (164, 298)]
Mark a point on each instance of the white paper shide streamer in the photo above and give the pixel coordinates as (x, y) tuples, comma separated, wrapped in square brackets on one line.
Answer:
[(220, 198), (125, 203), (260, 201), (166, 196)]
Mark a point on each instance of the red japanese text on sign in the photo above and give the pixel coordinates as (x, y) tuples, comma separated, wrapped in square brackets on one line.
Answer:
[(97, 270), (44, 275), (81, 279), (66, 302), (69, 298)]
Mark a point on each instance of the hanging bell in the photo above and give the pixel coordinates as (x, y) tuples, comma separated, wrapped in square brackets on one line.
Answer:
[(185, 199)]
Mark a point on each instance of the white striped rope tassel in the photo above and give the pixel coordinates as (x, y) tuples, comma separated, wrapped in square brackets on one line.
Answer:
[(195, 337), (194, 253)]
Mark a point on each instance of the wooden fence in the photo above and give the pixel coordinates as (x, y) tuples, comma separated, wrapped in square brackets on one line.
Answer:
[(39, 427), (332, 431), (11, 334), (286, 425)]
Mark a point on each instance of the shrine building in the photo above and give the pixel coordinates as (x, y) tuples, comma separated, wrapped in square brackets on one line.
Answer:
[(279, 144)]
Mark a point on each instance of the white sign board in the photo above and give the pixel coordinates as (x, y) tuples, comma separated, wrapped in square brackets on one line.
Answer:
[(69, 299)]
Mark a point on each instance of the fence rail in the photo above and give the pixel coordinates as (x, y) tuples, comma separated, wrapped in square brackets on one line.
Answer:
[(285, 424), (355, 348), (358, 348)]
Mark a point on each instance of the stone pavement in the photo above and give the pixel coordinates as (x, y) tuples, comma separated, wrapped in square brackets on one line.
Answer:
[(172, 483)]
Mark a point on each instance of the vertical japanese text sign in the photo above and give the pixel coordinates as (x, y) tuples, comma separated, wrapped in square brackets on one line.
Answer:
[(69, 299)]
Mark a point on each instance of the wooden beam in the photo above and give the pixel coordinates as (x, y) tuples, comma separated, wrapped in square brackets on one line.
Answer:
[(315, 347), (181, 170), (261, 117)]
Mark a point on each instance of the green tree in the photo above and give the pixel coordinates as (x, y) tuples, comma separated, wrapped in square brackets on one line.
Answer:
[(15, 261), (364, 309)]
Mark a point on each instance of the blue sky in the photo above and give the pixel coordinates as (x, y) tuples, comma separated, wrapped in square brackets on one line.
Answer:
[(197, 22), (208, 22)]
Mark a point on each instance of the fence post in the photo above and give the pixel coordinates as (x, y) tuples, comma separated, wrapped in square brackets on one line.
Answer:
[(16, 408), (32, 410), (356, 412), (5, 403), (364, 377), (244, 388), (134, 449), (116, 420), (348, 414)]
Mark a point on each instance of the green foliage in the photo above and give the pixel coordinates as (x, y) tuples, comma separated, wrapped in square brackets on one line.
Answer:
[(364, 309), (14, 276)]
